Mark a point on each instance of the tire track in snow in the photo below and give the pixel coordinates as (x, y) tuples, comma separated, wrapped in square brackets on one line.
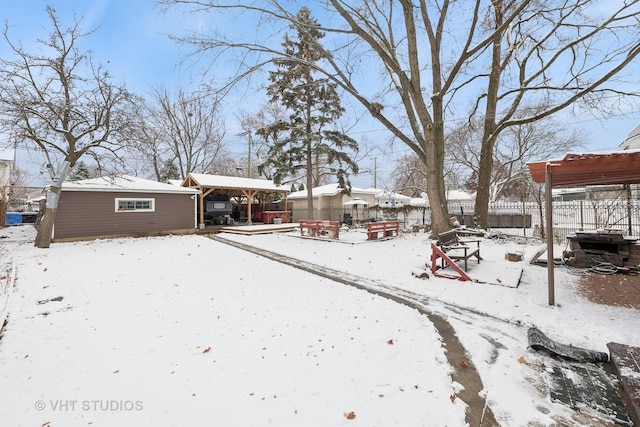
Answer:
[(478, 414)]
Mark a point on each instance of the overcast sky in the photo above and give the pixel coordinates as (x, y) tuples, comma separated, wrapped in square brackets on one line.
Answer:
[(132, 43)]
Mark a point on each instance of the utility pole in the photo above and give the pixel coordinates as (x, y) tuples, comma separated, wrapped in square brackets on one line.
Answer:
[(375, 172), (249, 154), (247, 133)]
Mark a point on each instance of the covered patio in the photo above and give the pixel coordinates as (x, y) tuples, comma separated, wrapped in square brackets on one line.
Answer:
[(236, 187), (580, 169)]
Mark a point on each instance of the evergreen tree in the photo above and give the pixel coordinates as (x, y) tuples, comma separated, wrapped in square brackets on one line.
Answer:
[(169, 171), (80, 171), (306, 143)]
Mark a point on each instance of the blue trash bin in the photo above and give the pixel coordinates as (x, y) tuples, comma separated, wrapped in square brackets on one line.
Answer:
[(14, 218)]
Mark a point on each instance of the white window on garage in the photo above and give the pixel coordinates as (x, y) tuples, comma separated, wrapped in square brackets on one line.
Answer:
[(135, 205)]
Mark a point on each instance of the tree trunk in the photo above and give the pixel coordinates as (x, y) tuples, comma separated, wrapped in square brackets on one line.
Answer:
[(481, 216), (485, 169), (3, 212), (309, 181), (45, 228), (434, 162)]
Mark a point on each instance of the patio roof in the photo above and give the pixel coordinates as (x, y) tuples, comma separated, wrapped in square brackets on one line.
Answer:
[(232, 186), (621, 167)]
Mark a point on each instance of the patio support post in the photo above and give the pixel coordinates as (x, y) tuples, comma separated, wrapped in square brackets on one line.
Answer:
[(249, 195), (549, 217)]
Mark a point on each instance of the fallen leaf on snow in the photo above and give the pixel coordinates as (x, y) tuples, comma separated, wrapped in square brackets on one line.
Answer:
[(390, 342), (206, 350), (453, 398), (522, 359), (351, 415)]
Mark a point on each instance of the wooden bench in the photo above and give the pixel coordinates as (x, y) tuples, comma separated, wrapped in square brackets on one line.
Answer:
[(387, 228), (318, 228), (449, 248), (626, 363)]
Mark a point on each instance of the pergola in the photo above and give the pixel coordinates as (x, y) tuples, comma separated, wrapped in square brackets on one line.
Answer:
[(579, 169), (232, 186)]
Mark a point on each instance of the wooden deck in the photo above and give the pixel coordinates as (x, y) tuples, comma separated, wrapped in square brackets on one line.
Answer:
[(259, 228)]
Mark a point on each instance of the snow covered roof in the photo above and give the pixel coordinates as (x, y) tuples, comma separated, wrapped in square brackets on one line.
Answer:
[(126, 184), (459, 195), (221, 181), (419, 202), (388, 194), (329, 190)]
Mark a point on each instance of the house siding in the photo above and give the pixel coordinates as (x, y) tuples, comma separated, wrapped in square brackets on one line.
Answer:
[(83, 214), (329, 208)]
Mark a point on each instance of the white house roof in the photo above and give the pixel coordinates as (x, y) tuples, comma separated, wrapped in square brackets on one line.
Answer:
[(328, 190), (388, 194), (459, 195), (419, 202), (125, 184), (221, 181)]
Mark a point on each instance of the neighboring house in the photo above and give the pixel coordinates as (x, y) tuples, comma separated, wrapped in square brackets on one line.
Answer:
[(329, 202), (5, 172), (633, 140), (5, 180), (123, 206), (390, 199), (459, 196)]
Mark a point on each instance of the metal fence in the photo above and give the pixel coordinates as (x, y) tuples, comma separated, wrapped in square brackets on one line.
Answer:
[(568, 217)]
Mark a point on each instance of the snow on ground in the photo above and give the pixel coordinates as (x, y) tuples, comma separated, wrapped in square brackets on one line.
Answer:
[(185, 330)]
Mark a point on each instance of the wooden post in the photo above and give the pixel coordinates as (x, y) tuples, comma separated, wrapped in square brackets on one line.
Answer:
[(549, 202), (249, 195)]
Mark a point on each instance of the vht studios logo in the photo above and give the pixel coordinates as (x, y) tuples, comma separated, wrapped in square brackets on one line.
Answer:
[(90, 405)]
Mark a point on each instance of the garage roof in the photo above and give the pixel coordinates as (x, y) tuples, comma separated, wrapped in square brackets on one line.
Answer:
[(125, 184), (621, 167)]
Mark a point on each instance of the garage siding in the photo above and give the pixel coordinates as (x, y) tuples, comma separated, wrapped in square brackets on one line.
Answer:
[(91, 214)]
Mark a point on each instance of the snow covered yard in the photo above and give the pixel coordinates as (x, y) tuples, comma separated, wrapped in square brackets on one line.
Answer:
[(185, 330)]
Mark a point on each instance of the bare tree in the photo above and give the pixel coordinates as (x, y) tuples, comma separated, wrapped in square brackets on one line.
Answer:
[(257, 148), (515, 146), (59, 101), (189, 128), (410, 177), (147, 153), (436, 57)]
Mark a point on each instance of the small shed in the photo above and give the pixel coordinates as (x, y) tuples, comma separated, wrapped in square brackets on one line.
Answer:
[(232, 186), (123, 206)]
